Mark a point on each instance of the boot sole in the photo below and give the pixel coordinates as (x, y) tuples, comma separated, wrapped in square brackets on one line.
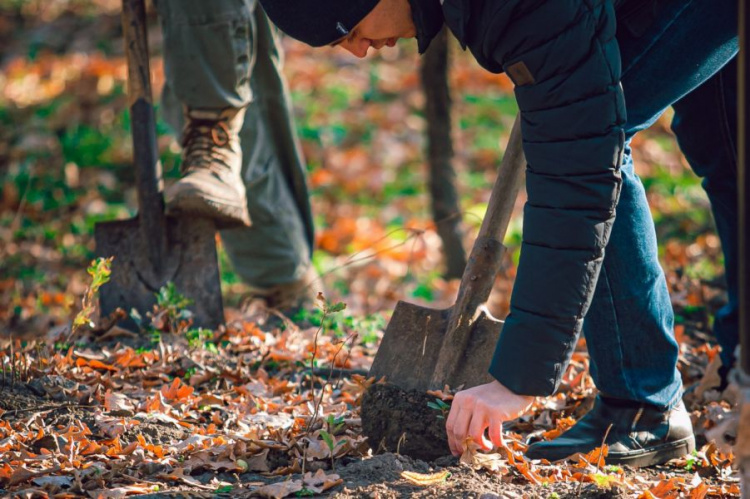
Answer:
[(225, 216), (657, 455)]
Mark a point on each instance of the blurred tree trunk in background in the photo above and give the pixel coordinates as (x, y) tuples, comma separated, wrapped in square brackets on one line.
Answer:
[(446, 212)]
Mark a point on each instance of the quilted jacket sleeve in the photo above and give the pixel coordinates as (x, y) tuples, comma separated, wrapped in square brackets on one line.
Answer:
[(565, 61)]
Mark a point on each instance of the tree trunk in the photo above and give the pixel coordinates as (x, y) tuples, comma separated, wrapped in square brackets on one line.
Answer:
[(445, 209)]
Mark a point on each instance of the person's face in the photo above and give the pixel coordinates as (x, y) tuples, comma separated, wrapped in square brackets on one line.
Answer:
[(383, 26)]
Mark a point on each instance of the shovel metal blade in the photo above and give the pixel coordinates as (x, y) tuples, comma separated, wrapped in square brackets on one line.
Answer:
[(190, 263), (408, 353)]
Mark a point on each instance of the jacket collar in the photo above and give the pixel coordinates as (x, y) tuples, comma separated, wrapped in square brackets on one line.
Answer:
[(428, 19)]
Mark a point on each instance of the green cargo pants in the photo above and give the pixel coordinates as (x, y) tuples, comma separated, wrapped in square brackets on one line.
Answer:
[(225, 53)]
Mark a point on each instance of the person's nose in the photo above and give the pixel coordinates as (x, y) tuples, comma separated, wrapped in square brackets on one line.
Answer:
[(358, 46)]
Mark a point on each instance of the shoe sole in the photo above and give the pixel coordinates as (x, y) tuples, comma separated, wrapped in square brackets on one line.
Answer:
[(658, 455), (225, 216)]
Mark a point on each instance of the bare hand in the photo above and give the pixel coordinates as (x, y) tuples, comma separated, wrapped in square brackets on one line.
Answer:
[(484, 406)]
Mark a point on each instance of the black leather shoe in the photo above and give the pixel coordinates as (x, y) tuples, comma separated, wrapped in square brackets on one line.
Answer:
[(641, 434)]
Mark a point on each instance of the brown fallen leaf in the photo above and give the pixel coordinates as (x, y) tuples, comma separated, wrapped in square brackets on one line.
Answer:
[(700, 491), (317, 449), (121, 492), (258, 462), (320, 481), (494, 463), (280, 489), (444, 394), (178, 475), (22, 474), (663, 488), (424, 480), (117, 402), (208, 400), (498, 462)]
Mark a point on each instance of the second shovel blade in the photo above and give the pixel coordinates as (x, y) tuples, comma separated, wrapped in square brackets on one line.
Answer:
[(412, 341)]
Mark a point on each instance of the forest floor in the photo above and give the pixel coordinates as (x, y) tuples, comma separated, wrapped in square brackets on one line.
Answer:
[(264, 406)]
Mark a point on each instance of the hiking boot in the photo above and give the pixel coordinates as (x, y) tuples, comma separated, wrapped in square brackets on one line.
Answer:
[(287, 298), (641, 434), (211, 185)]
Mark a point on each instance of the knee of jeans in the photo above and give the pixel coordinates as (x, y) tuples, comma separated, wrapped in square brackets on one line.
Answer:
[(708, 161), (707, 144)]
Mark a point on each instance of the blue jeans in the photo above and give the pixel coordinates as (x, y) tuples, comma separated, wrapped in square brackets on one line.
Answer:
[(684, 57)]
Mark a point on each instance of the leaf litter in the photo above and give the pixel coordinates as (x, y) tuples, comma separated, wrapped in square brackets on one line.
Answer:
[(252, 416)]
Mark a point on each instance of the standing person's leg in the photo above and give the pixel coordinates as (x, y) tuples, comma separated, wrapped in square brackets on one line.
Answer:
[(629, 325), (273, 255), (629, 328), (227, 56), (209, 51), (705, 123)]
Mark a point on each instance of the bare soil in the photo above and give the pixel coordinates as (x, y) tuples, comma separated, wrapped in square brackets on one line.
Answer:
[(397, 420)]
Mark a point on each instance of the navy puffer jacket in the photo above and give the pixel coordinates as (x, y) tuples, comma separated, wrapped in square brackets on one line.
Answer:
[(564, 59)]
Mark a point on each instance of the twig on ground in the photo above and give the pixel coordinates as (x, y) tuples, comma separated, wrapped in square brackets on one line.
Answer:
[(107, 323), (361, 372), (312, 383), (322, 390), (601, 453), (46, 408), (401, 440), (599, 462), (319, 401), (12, 363), (38, 349), (116, 332), (340, 372)]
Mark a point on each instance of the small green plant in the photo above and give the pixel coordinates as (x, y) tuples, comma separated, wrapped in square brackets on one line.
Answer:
[(553, 495), (170, 299), (327, 309), (331, 443), (305, 493), (334, 423), (153, 333), (100, 271), (441, 406), (692, 461), (604, 481), (200, 337), (174, 305), (155, 336), (341, 325), (328, 439), (61, 346)]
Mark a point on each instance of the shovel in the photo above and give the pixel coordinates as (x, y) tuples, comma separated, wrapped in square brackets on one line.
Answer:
[(425, 348), (152, 250)]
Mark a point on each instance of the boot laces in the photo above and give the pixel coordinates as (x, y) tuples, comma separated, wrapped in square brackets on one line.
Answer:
[(206, 144)]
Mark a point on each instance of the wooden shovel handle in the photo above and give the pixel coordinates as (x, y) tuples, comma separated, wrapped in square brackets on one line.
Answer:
[(485, 258), (505, 191), (147, 166)]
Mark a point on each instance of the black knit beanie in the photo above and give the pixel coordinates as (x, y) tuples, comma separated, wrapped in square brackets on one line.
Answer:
[(314, 22)]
